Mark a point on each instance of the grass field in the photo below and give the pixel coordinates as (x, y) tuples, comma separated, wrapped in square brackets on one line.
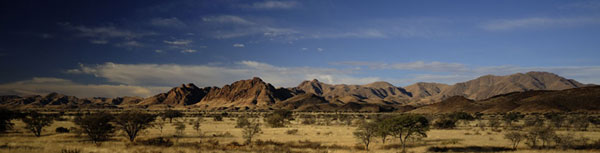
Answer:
[(221, 136)]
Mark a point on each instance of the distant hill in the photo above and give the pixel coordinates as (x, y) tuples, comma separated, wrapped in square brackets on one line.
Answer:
[(376, 92), (584, 99), (490, 85), (527, 92)]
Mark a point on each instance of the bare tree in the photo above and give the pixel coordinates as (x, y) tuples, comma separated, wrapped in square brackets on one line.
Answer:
[(179, 129), (494, 122), (250, 131), (133, 122), (196, 125), (160, 125), (514, 137), (35, 122)]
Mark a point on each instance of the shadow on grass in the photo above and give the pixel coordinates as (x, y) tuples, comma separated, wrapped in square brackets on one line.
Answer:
[(468, 149), (413, 144)]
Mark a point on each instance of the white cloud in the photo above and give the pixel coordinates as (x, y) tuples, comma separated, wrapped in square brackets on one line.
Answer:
[(104, 32), (369, 33), (320, 49), (215, 75), (537, 22), (239, 45), (228, 19), (188, 51), (230, 26), (178, 42), (99, 41), (44, 85), (417, 66), (130, 44), (101, 34), (273, 5), (167, 22)]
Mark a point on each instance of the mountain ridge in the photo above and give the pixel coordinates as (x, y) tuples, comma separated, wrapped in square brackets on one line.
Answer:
[(313, 95)]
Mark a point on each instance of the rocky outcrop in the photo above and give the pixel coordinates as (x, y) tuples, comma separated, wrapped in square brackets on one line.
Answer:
[(183, 95), (377, 92), (250, 94)]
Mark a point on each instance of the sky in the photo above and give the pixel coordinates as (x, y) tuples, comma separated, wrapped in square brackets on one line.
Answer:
[(109, 48)]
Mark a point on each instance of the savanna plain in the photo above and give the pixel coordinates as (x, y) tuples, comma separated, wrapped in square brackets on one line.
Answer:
[(284, 131)]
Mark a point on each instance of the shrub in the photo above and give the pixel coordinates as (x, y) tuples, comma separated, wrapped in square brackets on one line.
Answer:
[(218, 118), (6, 116), (96, 126), (445, 123), (510, 118), (241, 122), (62, 130), (250, 131), (534, 120), (170, 114), (159, 141), (70, 151), (275, 120), (291, 131)]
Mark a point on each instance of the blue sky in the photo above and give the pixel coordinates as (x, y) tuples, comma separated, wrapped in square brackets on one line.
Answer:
[(140, 48)]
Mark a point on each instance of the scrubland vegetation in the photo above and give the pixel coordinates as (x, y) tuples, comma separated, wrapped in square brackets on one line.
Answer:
[(143, 131)]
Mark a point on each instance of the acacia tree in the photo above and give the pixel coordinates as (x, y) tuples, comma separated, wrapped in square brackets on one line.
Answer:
[(406, 126), (383, 130), (514, 137), (365, 133), (35, 122), (97, 126), (133, 122)]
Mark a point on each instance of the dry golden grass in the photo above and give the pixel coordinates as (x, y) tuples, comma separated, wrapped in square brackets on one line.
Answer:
[(333, 138)]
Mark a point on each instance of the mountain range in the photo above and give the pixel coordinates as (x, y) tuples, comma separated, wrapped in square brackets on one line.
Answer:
[(526, 92)]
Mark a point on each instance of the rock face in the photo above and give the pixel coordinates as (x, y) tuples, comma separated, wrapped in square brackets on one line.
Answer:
[(178, 97), (306, 102), (423, 92), (489, 85), (377, 92), (244, 94)]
